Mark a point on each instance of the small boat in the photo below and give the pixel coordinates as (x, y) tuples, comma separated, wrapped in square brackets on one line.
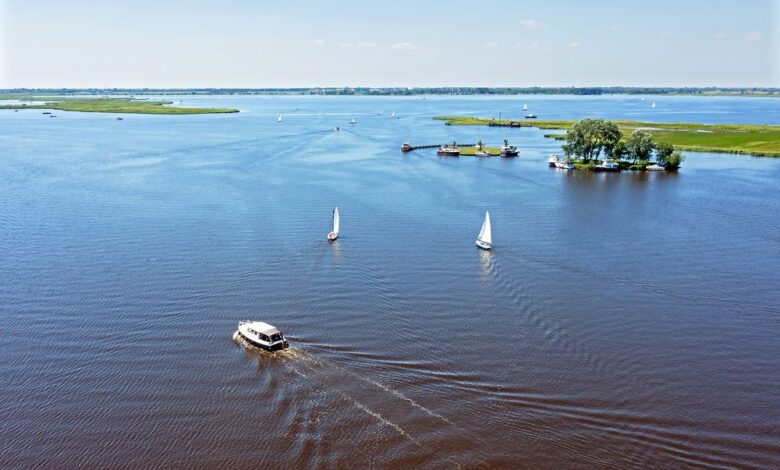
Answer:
[(525, 107), (553, 160), (353, 121), (531, 116), (261, 335), (482, 153), (120, 119), (655, 167), (607, 165), (448, 151), (337, 129), (334, 234), (46, 112), (509, 151), (653, 105), (485, 238), (564, 164), (279, 119), (406, 147)]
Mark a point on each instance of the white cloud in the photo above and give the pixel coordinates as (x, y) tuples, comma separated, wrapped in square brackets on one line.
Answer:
[(345, 45), (491, 45), (366, 45), (753, 36), (574, 44), (318, 41), (720, 35), (403, 46), (531, 24)]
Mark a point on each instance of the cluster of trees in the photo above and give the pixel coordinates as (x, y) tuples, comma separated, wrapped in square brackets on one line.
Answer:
[(592, 139)]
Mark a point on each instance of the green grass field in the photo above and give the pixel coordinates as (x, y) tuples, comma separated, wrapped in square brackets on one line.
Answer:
[(472, 151), (763, 141), (111, 105)]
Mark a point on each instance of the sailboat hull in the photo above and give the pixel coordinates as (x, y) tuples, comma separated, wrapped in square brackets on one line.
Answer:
[(484, 245)]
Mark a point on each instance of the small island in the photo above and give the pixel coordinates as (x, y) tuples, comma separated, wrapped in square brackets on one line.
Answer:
[(756, 140), (110, 105)]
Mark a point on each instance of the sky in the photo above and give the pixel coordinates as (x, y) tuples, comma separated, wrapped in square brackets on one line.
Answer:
[(415, 43)]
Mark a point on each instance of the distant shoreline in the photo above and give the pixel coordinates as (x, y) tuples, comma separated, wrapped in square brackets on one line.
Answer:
[(767, 92), (109, 105)]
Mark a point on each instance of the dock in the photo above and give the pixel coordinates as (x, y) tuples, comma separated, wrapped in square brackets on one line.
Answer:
[(411, 148)]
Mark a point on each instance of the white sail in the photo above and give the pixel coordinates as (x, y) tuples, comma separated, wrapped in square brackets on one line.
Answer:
[(525, 107), (336, 221), (392, 114), (486, 234), (653, 105), (279, 119)]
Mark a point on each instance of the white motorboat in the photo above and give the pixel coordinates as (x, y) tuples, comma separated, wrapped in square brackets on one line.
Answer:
[(553, 160), (607, 165), (485, 238), (261, 335), (334, 234), (655, 167), (564, 164)]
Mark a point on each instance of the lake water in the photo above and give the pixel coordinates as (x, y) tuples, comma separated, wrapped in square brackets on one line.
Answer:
[(622, 320)]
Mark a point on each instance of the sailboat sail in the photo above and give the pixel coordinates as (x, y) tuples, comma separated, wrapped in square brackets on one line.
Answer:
[(336, 221), (486, 234)]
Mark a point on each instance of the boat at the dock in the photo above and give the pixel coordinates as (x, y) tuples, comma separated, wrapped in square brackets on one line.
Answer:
[(334, 234), (448, 151), (607, 165), (485, 238), (261, 335), (406, 147), (482, 153), (553, 160), (655, 167), (564, 164)]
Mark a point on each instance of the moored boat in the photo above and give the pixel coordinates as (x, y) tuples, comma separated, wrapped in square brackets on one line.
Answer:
[(485, 237), (655, 167), (261, 335), (509, 150), (448, 151), (607, 165), (406, 147), (531, 116), (482, 153), (553, 160), (564, 164)]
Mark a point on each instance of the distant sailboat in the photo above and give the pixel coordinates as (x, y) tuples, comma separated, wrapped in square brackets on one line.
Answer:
[(485, 238), (525, 107), (279, 119), (353, 121), (392, 115), (653, 105), (336, 222)]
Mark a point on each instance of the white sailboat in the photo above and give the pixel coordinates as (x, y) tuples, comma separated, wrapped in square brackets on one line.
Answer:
[(279, 119), (653, 105), (334, 234), (525, 107), (353, 121), (485, 238), (392, 115)]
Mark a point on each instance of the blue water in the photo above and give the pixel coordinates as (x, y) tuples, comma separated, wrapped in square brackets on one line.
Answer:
[(622, 320)]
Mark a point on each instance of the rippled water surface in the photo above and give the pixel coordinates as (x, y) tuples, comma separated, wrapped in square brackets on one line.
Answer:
[(623, 320)]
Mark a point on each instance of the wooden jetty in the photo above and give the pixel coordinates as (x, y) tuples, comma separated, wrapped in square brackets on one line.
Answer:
[(409, 147)]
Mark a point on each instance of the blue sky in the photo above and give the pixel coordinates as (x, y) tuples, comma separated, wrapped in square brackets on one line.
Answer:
[(291, 43)]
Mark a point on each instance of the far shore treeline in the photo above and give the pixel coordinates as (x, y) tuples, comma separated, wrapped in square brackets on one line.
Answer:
[(406, 91)]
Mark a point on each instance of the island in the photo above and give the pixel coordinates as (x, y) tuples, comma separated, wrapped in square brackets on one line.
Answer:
[(756, 140), (109, 105)]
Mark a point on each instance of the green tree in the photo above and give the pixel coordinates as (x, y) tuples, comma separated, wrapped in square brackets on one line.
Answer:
[(640, 145), (588, 138), (662, 151), (619, 151), (672, 162)]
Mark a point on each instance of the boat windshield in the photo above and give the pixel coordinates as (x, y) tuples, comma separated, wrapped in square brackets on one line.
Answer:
[(276, 337)]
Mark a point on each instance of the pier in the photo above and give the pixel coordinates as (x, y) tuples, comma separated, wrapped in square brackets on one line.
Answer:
[(410, 148)]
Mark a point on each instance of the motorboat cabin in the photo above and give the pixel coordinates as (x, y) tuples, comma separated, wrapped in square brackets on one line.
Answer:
[(262, 335)]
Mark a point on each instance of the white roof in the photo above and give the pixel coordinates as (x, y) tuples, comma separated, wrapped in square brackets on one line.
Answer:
[(262, 327)]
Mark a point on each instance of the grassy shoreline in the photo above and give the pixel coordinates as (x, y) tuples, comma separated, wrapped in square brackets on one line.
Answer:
[(756, 140), (111, 105)]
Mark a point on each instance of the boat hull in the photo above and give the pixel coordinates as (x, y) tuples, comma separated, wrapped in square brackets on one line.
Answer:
[(484, 245), (266, 347), (332, 236)]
